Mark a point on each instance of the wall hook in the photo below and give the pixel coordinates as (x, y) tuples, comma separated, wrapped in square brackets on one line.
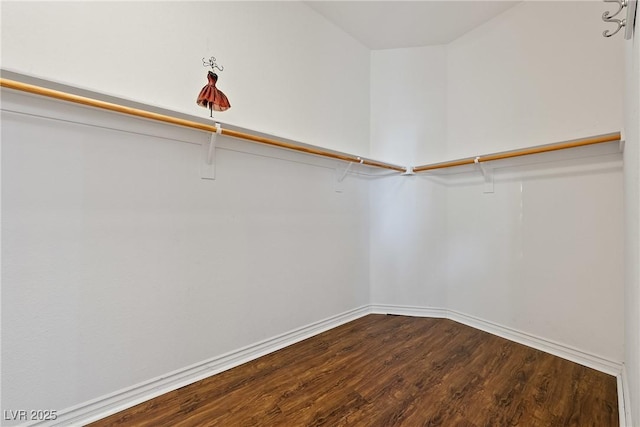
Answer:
[(620, 22)]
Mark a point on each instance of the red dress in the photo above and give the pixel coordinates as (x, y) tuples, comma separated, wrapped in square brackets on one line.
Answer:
[(211, 97)]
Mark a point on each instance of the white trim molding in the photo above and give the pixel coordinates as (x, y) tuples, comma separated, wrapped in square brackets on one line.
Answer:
[(572, 354), (112, 403), (548, 346), (104, 406), (624, 404), (406, 310)]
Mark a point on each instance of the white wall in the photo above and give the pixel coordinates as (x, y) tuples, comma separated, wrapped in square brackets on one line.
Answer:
[(408, 104), (408, 124), (632, 223), (120, 264), (543, 253), (538, 73), (287, 71), (407, 242), (115, 251), (102, 281)]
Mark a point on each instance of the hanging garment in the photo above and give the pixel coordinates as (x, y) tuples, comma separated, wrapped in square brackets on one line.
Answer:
[(211, 97)]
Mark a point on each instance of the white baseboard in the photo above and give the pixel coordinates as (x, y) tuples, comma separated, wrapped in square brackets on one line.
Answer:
[(548, 346), (406, 310), (110, 404), (624, 405)]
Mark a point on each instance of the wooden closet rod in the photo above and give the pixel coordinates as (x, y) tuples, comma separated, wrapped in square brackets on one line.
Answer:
[(50, 93), (609, 137)]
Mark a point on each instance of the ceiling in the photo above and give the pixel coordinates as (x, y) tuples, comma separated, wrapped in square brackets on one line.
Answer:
[(397, 24)]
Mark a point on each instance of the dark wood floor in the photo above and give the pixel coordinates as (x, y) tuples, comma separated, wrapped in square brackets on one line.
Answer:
[(392, 371)]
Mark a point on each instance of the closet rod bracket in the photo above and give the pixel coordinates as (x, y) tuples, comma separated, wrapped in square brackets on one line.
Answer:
[(341, 175), (487, 174), (208, 155), (409, 171), (346, 171)]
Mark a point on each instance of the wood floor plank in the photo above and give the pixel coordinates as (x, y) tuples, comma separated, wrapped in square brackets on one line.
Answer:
[(391, 371)]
